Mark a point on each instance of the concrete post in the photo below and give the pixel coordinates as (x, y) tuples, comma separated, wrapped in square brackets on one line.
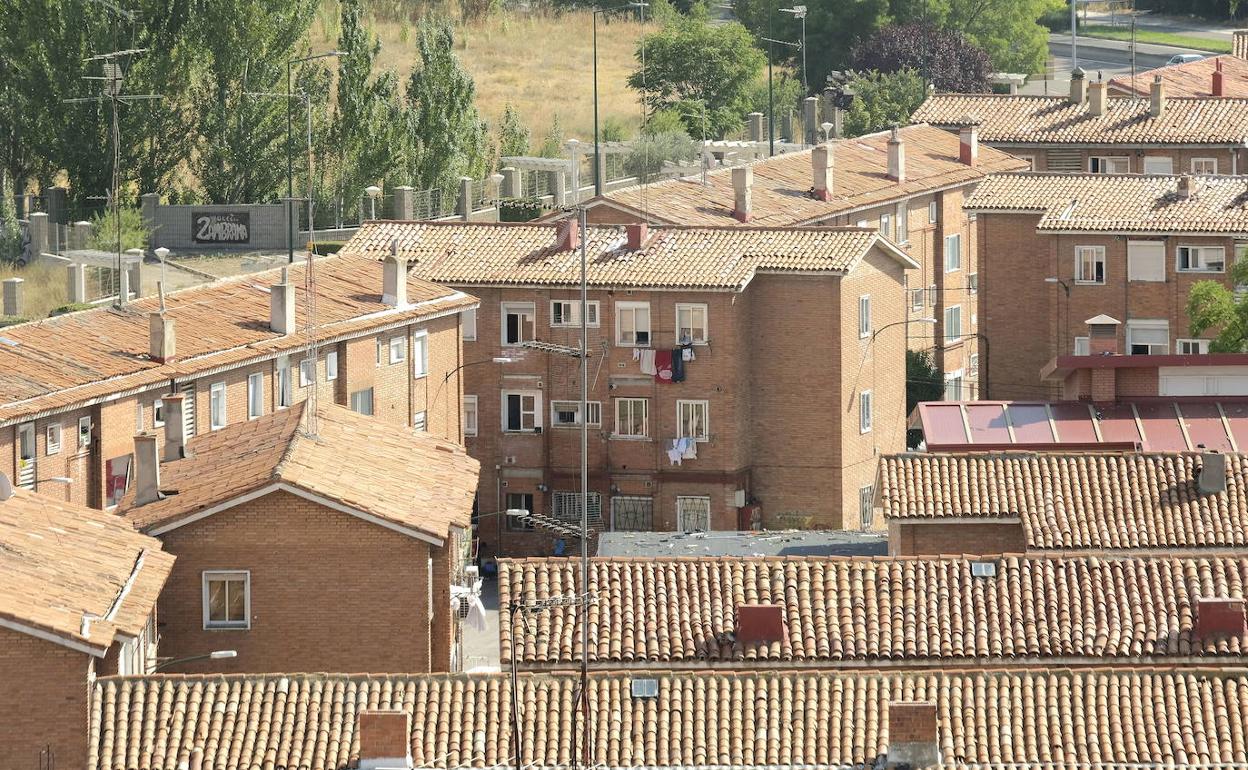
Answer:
[(810, 119), (55, 200), (80, 234), (77, 276), (601, 171), (148, 203), (574, 155), (786, 126), (511, 182), (135, 269), (496, 186), (404, 206), (756, 126), (558, 187), (13, 296), (464, 205), (38, 235), (123, 286)]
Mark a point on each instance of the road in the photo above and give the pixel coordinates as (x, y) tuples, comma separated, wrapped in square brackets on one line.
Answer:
[(1106, 58)]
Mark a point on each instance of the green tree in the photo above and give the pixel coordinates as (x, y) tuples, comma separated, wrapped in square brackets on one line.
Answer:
[(552, 143), (10, 229), (513, 136), (924, 380), (134, 234), (1211, 305), (1009, 30), (692, 65), (880, 100)]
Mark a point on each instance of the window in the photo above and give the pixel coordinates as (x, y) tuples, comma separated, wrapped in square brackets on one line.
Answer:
[(632, 514), (693, 420), (1146, 261), (1031, 161), (632, 323), (693, 514), (470, 415), (227, 600), (468, 325), (158, 413), (953, 252), (398, 349), (1200, 259), (84, 432), (307, 372), (1150, 337), (568, 413), (972, 283), (1104, 164), (285, 396), (521, 412), (932, 215), (691, 324), (53, 436), (420, 421), (1083, 346), (255, 396), (331, 366), (864, 412), (886, 225), (522, 501), (983, 569), (1204, 165), (420, 354), (138, 417), (932, 295), (381, 352), (362, 401), (1182, 347), (1089, 264), (953, 386), (864, 316), (216, 406), (632, 417), (1158, 164), (903, 223), (567, 506), (916, 300), (567, 312), (953, 324), (517, 324), (866, 504)]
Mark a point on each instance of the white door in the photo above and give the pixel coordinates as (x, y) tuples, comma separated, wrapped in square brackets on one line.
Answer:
[(26, 455), (693, 514)]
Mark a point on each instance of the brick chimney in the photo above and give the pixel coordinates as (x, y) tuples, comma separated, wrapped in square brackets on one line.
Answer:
[(175, 427), (282, 305), (568, 234), (1239, 44), (896, 156), (742, 192), (1219, 617), (1184, 190), (760, 623), (1219, 88), (1078, 86), (394, 281), (636, 232), (1103, 341), (968, 147), (146, 469), (1157, 97), (1096, 98), (821, 169), (912, 734), (162, 337), (385, 740)]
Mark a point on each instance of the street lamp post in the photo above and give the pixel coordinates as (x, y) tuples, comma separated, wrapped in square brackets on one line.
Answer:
[(373, 191), (290, 158), (214, 655), (597, 151)]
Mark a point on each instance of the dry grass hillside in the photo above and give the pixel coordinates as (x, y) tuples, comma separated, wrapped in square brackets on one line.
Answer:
[(540, 62)]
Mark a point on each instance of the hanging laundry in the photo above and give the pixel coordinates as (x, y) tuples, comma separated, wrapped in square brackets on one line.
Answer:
[(678, 366), (636, 354), (663, 365), (646, 357), (687, 354), (674, 455), (690, 450)]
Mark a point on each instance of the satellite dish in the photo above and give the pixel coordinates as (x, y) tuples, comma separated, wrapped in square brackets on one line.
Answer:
[(6, 488)]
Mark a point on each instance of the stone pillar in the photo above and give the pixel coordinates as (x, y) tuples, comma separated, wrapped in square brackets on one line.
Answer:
[(574, 155), (404, 204), (464, 207), (13, 296), (786, 126), (80, 234), (558, 187), (55, 205), (135, 269), (810, 120), (123, 286), (496, 186), (511, 182), (77, 277), (38, 235), (756, 126), (148, 204)]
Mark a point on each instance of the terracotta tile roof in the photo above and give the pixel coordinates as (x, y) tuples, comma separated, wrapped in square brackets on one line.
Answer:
[(1119, 202), (1075, 501), (873, 611), (67, 360), (1095, 718), (59, 561), (1006, 119), (1193, 78), (525, 254), (782, 184), (406, 477)]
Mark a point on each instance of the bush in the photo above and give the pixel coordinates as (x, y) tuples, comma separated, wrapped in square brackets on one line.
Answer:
[(10, 320), (134, 234), (71, 307), (519, 209), (647, 156)]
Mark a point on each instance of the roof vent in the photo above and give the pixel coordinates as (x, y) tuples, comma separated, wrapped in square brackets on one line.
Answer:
[(1220, 616), (760, 623), (1212, 477), (983, 569), (646, 689)]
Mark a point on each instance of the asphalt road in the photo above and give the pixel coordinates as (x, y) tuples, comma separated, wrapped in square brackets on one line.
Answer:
[(1108, 58)]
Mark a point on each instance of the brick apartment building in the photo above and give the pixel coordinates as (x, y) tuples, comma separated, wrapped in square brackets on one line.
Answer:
[(308, 540), (1225, 75), (78, 592), (1089, 131), (910, 184), (1125, 247), (75, 389), (1195, 380), (790, 390)]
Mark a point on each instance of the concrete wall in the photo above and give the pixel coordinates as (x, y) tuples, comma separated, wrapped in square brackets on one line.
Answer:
[(183, 228)]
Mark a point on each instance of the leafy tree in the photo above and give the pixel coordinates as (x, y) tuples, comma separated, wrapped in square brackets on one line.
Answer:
[(1211, 305), (945, 56), (1008, 30), (692, 65), (924, 380), (513, 137), (881, 99), (134, 234), (786, 94), (653, 149), (552, 143), (10, 229)]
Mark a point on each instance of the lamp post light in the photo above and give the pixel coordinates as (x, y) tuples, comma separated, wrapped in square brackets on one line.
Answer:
[(214, 655), (290, 158), (597, 157), (373, 191)]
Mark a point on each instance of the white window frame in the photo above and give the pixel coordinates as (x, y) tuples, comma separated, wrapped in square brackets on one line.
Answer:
[(285, 383), (53, 434), (886, 225), (158, 413), (472, 416), (209, 576), (704, 504), (695, 337), (681, 424), (1199, 252), (593, 409), (536, 412), (381, 351), (372, 401), (1096, 164), (958, 376), (972, 283), (397, 348), (420, 421), (1097, 256), (1157, 160), (307, 377), (255, 396), (1146, 261), (1082, 346), (972, 365), (216, 400), (903, 222), (956, 239), (1197, 161), (933, 213), (468, 325), (1031, 161), (866, 505), (1201, 345), (866, 407), (1150, 324), (528, 316), (331, 366), (953, 311), (933, 296), (864, 316), (420, 354), (632, 403), (569, 314), (632, 308), (920, 294), (84, 432)]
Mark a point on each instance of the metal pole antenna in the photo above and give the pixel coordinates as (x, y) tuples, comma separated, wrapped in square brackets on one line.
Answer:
[(584, 603), (771, 101), (597, 159), (1074, 50), (290, 175)]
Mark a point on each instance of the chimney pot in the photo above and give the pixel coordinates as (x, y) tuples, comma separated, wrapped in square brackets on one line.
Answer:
[(175, 426), (912, 734), (1097, 98), (821, 166), (162, 337), (743, 191), (1078, 87), (394, 281), (1157, 97), (568, 234), (968, 148), (282, 305), (1218, 86), (385, 740), (637, 232), (146, 469), (896, 156), (1185, 186)]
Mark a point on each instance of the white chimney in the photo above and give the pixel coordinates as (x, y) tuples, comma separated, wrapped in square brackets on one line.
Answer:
[(162, 344), (821, 165), (1185, 186), (896, 156), (1157, 97), (1096, 98), (175, 426), (1078, 86), (968, 147), (394, 281), (146, 469), (742, 192), (282, 305)]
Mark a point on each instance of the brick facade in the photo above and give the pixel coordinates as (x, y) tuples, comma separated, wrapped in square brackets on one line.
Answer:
[(1053, 158), (44, 703), (955, 537)]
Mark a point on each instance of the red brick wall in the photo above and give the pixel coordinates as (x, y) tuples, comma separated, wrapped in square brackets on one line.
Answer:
[(43, 702), (329, 591), (907, 539), (1182, 158)]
